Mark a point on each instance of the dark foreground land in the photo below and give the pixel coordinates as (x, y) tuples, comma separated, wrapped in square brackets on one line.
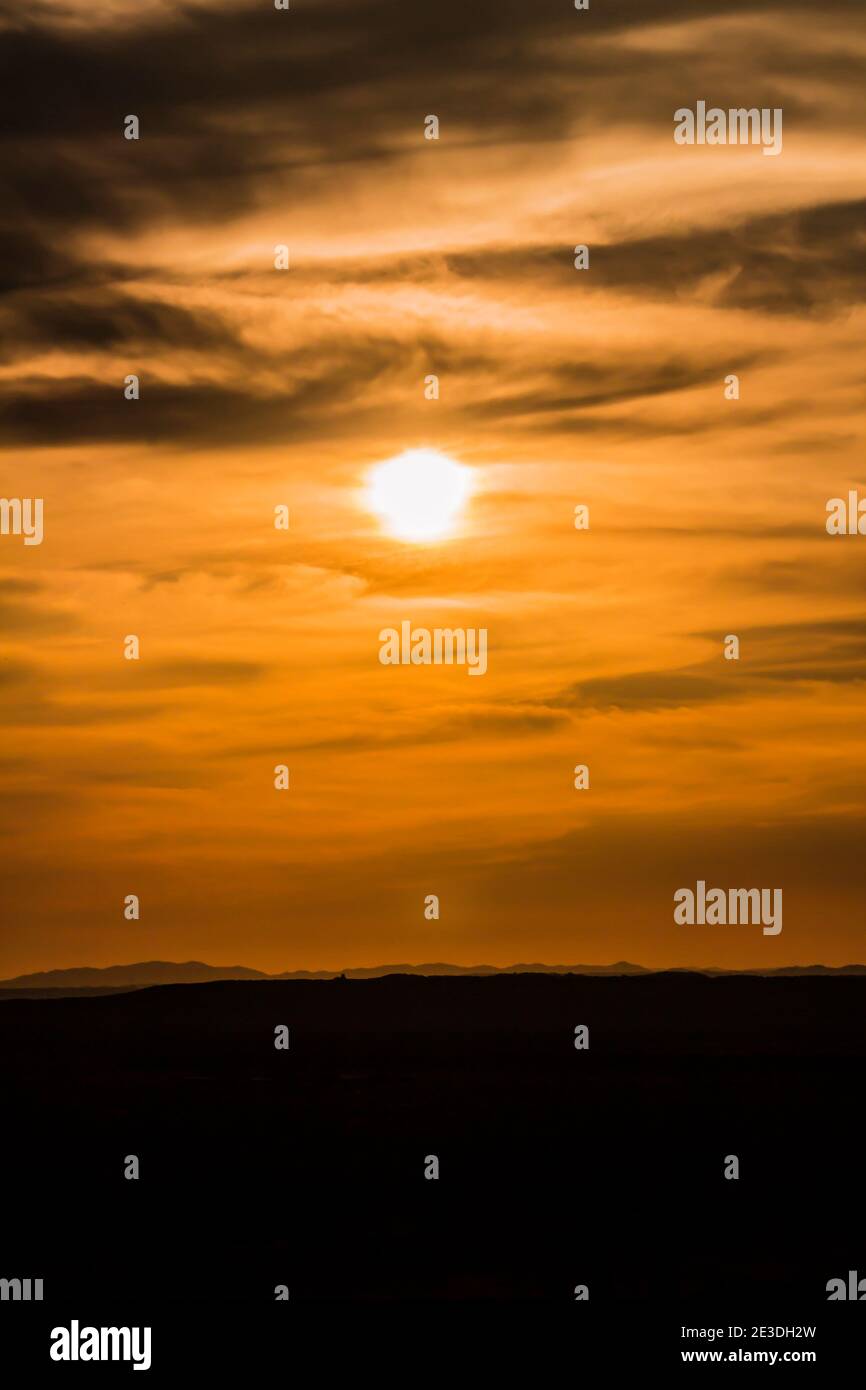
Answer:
[(558, 1167)]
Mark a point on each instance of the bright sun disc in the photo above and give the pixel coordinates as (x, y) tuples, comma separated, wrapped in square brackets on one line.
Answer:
[(419, 494)]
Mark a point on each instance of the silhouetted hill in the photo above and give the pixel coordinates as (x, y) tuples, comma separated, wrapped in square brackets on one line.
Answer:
[(558, 1165), (372, 972), (144, 974)]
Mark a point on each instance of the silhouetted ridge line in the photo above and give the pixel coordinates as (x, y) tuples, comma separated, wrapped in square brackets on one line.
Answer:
[(142, 974)]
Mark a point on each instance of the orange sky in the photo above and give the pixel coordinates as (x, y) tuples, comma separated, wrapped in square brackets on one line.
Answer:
[(558, 387)]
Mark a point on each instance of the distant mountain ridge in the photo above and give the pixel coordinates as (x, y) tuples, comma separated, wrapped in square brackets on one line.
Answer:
[(141, 974)]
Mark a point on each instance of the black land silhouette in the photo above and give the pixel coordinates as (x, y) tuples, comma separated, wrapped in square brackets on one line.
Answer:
[(558, 1166)]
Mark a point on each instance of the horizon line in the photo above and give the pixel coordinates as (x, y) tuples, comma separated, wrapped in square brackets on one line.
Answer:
[(422, 967)]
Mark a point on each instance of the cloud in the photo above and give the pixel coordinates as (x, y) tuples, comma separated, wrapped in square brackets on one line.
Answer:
[(645, 690), (489, 723), (199, 671), (15, 673), (44, 411), (805, 261), (31, 619), (590, 383), (271, 99), (103, 318), (828, 652)]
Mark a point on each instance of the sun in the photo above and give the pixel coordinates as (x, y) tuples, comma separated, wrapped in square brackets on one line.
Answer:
[(419, 494)]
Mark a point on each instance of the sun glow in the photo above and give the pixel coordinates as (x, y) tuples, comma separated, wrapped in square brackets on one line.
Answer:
[(419, 494)]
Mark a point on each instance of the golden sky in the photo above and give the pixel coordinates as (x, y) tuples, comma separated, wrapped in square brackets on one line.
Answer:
[(559, 387)]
